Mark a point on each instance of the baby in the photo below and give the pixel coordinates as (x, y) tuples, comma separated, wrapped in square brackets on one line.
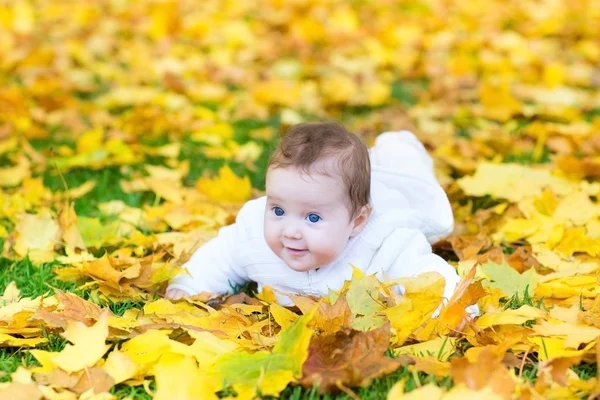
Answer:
[(330, 202)]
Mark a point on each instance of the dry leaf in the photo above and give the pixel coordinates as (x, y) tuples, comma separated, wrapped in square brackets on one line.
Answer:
[(349, 358)]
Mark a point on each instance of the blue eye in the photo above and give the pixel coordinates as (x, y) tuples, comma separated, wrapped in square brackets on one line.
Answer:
[(314, 218), (278, 211)]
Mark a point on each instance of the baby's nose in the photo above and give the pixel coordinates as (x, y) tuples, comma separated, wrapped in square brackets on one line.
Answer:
[(292, 231)]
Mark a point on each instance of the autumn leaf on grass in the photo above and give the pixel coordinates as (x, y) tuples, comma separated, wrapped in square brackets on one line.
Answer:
[(67, 219), (74, 309), (263, 371), (207, 348), (591, 316), (282, 316), (13, 176), (145, 350), (79, 382), (511, 181), (88, 345), (349, 358), (422, 296), (497, 101), (575, 333), (331, 318), (507, 279), (35, 236), (119, 366), (510, 317), (487, 371), (364, 300), (227, 187), (11, 341), (467, 293), (178, 377), (555, 370), (98, 234), (442, 348)]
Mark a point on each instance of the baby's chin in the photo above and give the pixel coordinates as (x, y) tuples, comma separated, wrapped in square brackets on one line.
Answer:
[(300, 266)]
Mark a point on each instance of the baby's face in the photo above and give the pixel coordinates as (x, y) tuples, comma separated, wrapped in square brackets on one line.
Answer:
[(307, 222)]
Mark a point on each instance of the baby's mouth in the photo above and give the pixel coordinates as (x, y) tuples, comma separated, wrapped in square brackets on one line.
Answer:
[(296, 251)]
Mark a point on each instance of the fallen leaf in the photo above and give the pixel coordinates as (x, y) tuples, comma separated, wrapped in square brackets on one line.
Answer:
[(20, 391), (263, 371), (36, 236), (226, 187), (555, 370), (363, 298), (422, 296), (94, 379), (178, 377), (510, 317), (349, 358), (488, 370), (89, 345), (505, 278), (119, 367)]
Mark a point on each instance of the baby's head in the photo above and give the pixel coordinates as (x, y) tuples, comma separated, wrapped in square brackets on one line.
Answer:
[(318, 191)]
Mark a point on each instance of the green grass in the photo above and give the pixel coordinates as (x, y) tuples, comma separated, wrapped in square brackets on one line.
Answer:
[(32, 280), (122, 391)]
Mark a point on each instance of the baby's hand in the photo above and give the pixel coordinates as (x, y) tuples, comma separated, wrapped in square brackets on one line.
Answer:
[(175, 294)]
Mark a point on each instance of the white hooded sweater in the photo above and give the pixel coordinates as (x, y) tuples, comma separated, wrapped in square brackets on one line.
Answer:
[(410, 211)]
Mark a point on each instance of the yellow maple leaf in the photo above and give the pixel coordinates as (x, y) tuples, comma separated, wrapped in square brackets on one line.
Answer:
[(276, 91), (13, 176), (554, 347), (207, 348), (90, 140), (67, 219), (178, 377), (89, 345), (145, 350), (575, 240), (498, 102), (119, 366), (441, 347), (511, 181), (512, 317), (226, 187), (422, 296), (575, 333), (11, 341), (36, 236), (265, 372), (554, 74)]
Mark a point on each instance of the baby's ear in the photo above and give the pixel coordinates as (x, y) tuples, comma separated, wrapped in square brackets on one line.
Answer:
[(359, 222)]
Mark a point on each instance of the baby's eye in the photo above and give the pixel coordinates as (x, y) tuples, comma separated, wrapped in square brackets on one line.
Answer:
[(278, 211), (313, 218)]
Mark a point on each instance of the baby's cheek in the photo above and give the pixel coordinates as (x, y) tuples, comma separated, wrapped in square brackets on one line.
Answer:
[(328, 246), (271, 238)]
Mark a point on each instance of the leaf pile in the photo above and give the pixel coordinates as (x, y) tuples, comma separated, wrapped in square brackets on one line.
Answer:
[(131, 132)]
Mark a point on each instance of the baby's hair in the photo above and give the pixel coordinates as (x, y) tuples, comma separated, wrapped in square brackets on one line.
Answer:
[(305, 144)]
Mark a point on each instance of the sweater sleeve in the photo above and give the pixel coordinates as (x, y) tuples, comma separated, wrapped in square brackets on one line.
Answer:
[(215, 267)]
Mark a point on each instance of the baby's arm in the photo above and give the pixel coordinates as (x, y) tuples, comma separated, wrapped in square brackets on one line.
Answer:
[(214, 267)]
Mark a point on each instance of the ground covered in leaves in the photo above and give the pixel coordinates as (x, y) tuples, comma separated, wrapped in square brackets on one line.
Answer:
[(131, 131)]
